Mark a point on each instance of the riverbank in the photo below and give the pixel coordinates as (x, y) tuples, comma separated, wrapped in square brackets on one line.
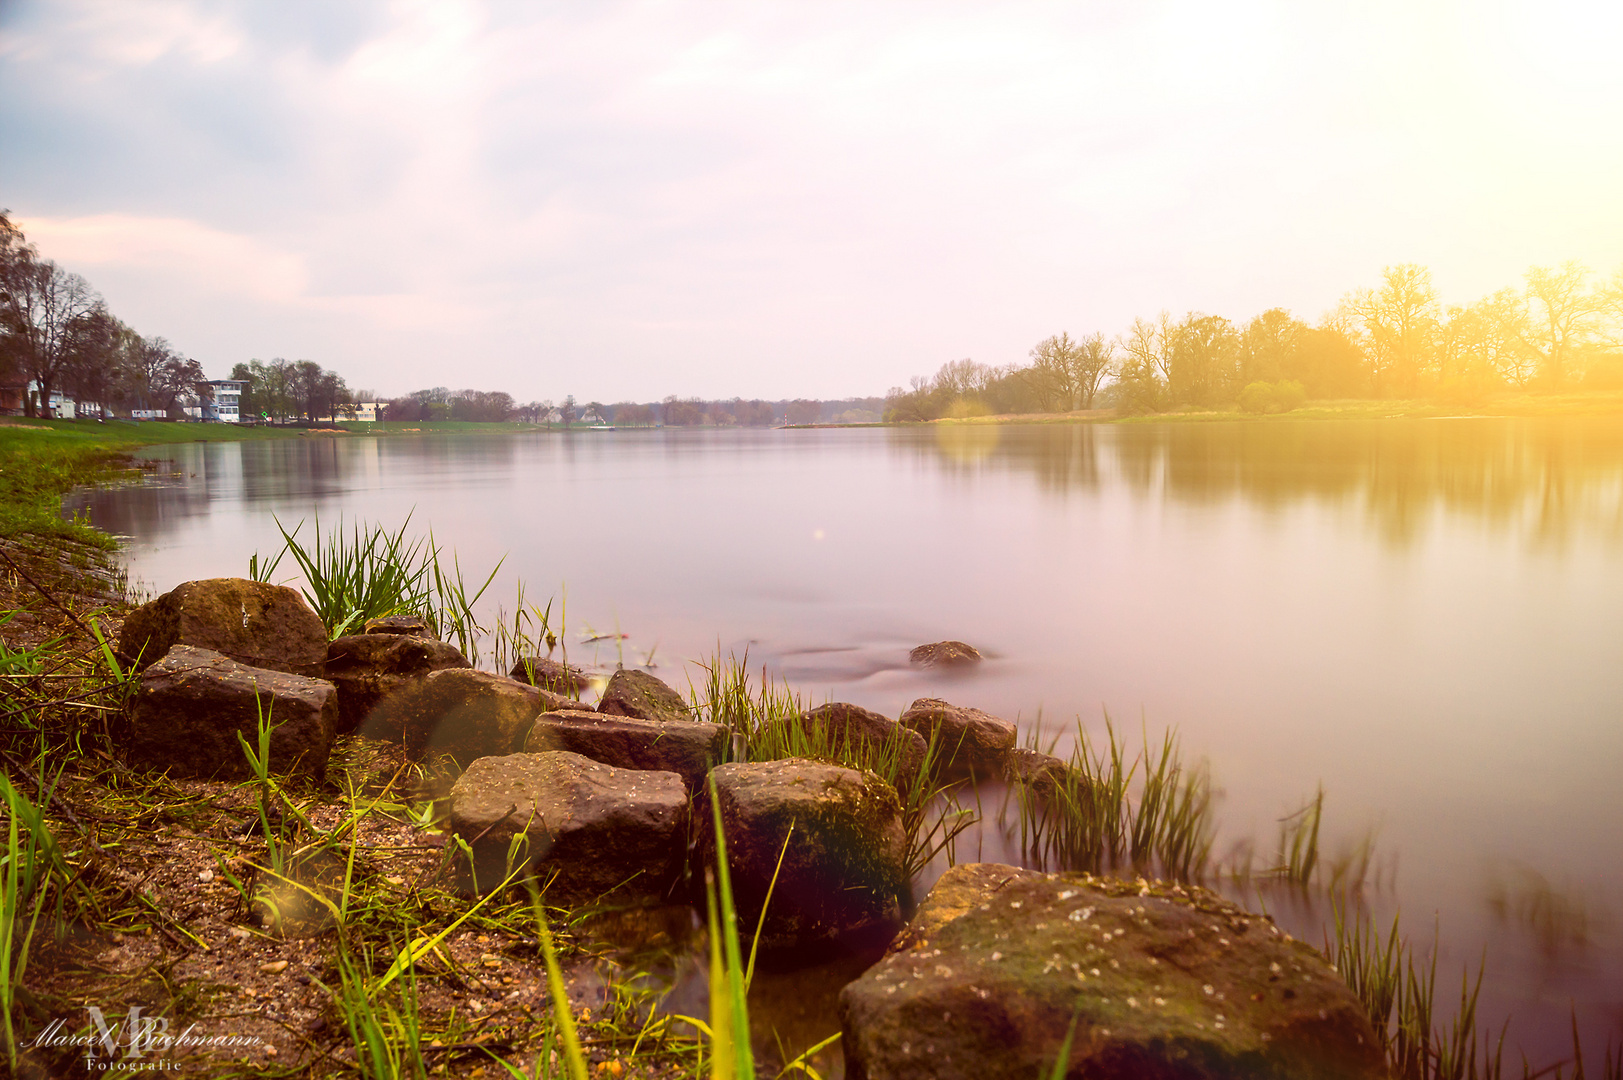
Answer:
[(1500, 406)]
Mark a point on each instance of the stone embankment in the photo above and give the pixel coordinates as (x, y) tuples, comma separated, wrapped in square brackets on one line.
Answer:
[(612, 799)]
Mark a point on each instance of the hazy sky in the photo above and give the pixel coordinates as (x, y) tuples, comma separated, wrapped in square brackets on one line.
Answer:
[(815, 199)]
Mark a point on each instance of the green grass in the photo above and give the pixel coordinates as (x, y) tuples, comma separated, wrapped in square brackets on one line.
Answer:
[(1094, 820), (368, 572)]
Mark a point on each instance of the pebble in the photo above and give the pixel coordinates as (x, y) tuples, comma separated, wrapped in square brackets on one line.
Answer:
[(274, 967)]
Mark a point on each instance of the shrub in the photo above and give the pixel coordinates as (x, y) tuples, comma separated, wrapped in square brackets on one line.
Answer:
[(1266, 397)]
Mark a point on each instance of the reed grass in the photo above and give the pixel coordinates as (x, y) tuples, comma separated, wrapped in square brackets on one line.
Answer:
[(1091, 818), (369, 572), (1299, 842), (765, 720)]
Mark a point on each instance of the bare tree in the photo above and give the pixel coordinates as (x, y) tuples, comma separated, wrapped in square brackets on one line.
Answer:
[(44, 303), (1566, 311), (1399, 321)]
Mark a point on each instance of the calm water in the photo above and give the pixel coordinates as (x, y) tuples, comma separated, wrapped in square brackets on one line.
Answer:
[(1425, 616)]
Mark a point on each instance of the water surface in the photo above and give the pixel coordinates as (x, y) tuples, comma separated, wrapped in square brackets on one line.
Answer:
[(1425, 616)]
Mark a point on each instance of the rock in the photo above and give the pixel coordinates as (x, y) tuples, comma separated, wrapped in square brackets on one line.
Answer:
[(639, 694), (550, 675), (368, 667), (588, 827), (688, 748), (191, 705), (410, 625), (1035, 769), (1169, 982), (844, 872), (253, 623), (968, 741), (457, 712), (853, 724), (945, 654)]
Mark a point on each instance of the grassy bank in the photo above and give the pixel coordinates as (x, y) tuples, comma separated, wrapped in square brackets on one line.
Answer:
[(42, 460), (1594, 403)]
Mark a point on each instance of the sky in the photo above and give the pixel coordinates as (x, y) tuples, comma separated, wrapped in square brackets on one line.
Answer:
[(630, 200)]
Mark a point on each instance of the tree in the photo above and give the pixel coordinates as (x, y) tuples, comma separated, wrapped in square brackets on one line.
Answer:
[(755, 413), (16, 254), (1052, 371), (1399, 321), (1204, 357), (1488, 341), (44, 303), (96, 344), (802, 411), (1565, 312), (1268, 347), (1092, 363), (679, 412)]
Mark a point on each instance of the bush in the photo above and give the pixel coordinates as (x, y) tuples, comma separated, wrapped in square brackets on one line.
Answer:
[(1265, 397)]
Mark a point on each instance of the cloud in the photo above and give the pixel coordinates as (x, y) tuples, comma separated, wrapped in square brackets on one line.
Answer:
[(205, 260), (634, 199)]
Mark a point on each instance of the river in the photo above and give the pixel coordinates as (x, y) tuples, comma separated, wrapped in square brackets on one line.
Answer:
[(1425, 616)]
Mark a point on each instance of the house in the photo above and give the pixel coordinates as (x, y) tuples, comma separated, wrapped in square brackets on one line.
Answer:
[(223, 405)]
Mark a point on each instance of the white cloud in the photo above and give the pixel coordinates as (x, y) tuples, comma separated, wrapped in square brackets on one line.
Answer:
[(197, 257)]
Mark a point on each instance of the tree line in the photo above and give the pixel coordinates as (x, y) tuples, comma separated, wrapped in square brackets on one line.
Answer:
[(57, 332), (1561, 329), (440, 403)]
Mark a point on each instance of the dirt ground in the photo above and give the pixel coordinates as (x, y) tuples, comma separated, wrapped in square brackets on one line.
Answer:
[(166, 928)]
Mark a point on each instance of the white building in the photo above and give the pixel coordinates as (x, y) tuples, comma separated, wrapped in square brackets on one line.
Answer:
[(226, 399)]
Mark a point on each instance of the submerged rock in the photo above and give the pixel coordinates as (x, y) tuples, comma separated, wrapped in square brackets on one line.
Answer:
[(688, 748), (458, 713), (588, 828), (409, 625), (191, 706), (969, 742), (1163, 982), (846, 723), (640, 695), (844, 871), (944, 654), (1041, 772), (551, 675), (253, 623), (368, 667)]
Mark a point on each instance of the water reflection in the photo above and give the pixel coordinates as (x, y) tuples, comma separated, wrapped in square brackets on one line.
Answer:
[(1543, 478), (1561, 920), (1421, 615)]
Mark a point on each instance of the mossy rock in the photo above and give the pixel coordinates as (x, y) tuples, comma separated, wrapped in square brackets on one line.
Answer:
[(1163, 981)]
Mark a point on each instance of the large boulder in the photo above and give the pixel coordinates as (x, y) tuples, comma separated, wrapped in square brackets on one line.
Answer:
[(847, 724), (586, 827), (844, 873), (1163, 982), (688, 748), (969, 742), (551, 675), (254, 623), (640, 695), (191, 706), (458, 713), (945, 654), (369, 667)]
